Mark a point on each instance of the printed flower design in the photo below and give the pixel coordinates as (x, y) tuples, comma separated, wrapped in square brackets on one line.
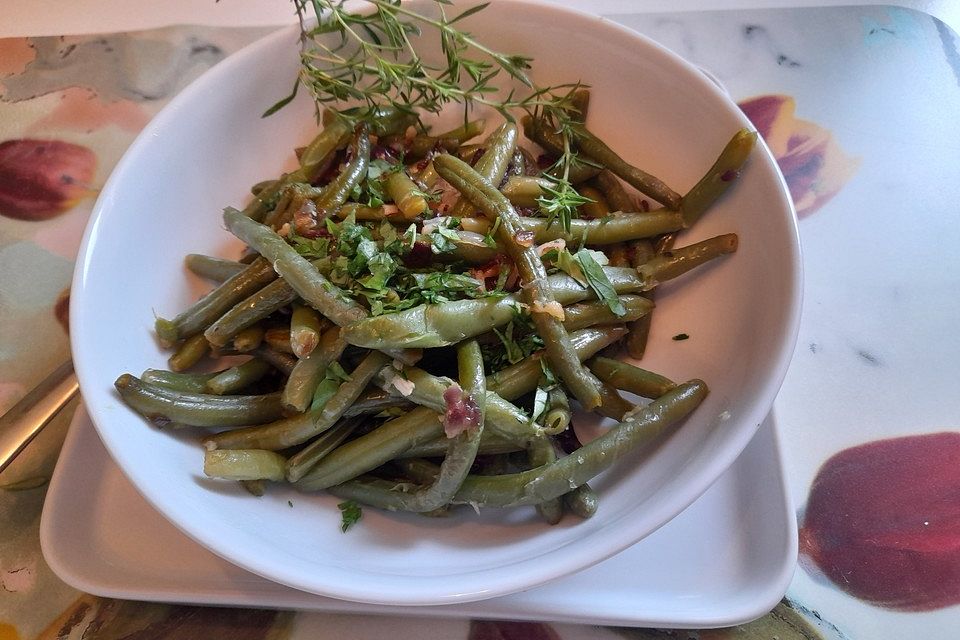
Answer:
[(40, 179), (883, 522), (813, 164)]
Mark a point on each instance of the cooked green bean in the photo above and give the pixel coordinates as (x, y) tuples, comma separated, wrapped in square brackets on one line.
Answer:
[(647, 184), (597, 208), (213, 305), (248, 339), (676, 262), (471, 248), (489, 444), (503, 418), (556, 479), (641, 251), (303, 277), (189, 353), (405, 193), (321, 447), (450, 141), (309, 371), (612, 404), (375, 401), (162, 405), (462, 448), (540, 453), (609, 230), (719, 178), (628, 377), (282, 362), (492, 164), (447, 323), (614, 192), (300, 428), (305, 328), (271, 298), (278, 339), (551, 141), (244, 464), (556, 417), (211, 268), (363, 213), (582, 501), (322, 147), (177, 380), (367, 452), (536, 288), (588, 314), (523, 191), (236, 378), (335, 194), (521, 378)]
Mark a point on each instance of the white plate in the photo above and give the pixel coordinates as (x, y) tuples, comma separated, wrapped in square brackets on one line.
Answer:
[(205, 149), (726, 559)]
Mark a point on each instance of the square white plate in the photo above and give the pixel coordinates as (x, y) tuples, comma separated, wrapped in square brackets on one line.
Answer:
[(726, 559)]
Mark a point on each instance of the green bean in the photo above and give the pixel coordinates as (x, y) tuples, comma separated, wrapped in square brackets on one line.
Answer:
[(303, 277), (556, 418), (335, 194), (257, 208), (636, 342), (640, 428), (676, 262), (271, 298), (597, 208), (363, 213), (436, 448), (369, 451), (462, 449), (309, 371), (582, 501), (244, 464), (719, 178), (177, 381), (405, 193), (238, 377), (647, 184), (521, 378), (450, 141), (504, 419), (248, 339), (588, 314), (492, 164), (302, 427), (202, 313), (628, 377), (580, 103), (375, 401), (551, 141), (162, 406), (305, 328), (216, 269), (614, 192), (189, 353), (612, 404), (447, 323), (278, 339), (282, 362), (253, 487), (321, 447), (523, 191), (322, 148), (603, 231), (537, 291), (540, 453), (471, 248)]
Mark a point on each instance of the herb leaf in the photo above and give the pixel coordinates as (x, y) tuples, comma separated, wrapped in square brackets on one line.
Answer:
[(599, 282), (350, 514)]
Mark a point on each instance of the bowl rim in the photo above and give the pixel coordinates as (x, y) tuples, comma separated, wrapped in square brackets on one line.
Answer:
[(488, 582)]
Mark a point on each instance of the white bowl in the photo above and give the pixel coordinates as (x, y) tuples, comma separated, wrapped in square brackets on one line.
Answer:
[(210, 144)]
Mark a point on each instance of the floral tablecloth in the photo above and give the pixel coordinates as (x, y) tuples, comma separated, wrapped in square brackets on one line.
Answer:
[(858, 104)]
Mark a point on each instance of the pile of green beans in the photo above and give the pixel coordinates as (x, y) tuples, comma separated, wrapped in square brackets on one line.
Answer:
[(336, 384)]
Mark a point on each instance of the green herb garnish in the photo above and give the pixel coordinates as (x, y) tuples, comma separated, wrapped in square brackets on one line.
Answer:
[(350, 514)]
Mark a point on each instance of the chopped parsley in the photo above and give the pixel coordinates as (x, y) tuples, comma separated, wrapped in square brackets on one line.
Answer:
[(350, 514)]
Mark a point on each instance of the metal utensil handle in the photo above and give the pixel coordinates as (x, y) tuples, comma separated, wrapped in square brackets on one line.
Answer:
[(27, 418)]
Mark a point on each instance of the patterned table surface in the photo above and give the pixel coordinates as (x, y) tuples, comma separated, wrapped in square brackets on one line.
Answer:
[(858, 104)]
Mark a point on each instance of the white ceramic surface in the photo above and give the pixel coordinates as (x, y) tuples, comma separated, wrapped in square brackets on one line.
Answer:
[(204, 150), (725, 560)]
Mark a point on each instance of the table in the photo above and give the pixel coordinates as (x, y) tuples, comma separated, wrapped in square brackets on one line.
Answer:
[(859, 105)]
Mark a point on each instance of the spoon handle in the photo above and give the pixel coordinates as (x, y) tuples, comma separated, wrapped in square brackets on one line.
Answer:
[(24, 420)]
